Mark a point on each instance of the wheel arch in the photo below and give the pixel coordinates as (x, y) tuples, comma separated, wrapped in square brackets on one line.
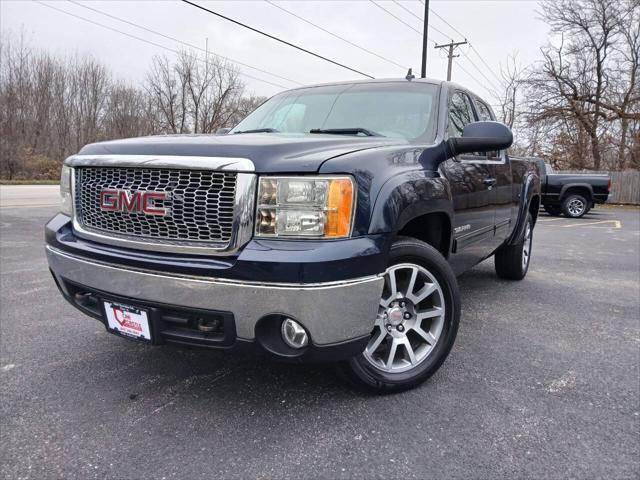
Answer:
[(577, 188), (433, 228), (416, 204), (528, 196), (534, 208)]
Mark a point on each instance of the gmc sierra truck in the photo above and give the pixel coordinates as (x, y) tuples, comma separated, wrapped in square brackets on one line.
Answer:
[(329, 225), (573, 194)]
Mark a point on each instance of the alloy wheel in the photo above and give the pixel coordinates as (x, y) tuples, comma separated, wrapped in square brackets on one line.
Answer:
[(576, 207), (410, 319)]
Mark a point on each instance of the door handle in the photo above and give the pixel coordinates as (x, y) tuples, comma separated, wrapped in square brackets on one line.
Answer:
[(490, 182)]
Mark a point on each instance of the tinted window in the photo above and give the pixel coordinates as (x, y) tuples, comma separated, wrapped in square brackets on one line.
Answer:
[(484, 112), (398, 110), (460, 113)]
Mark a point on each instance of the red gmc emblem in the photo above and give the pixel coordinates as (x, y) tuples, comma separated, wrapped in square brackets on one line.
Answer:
[(115, 200)]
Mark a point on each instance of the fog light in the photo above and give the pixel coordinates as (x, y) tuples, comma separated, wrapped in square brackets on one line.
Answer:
[(294, 334)]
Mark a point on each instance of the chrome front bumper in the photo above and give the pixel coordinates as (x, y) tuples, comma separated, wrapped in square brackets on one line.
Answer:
[(331, 312)]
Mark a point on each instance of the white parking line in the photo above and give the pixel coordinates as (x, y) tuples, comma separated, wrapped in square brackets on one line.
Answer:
[(614, 224)]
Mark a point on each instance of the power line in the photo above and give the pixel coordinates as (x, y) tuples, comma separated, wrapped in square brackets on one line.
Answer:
[(148, 41), (180, 41), (419, 17), (396, 17), (335, 35), (275, 38), (485, 63), (490, 91), (479, 70), (441, 18), (451, 45), (470, 44), (405, 23)]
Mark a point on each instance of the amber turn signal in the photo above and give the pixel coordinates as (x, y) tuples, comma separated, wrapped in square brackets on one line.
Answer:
[(339, 208)]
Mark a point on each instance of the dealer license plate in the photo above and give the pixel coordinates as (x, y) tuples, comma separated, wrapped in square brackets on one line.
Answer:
[(127, 320)]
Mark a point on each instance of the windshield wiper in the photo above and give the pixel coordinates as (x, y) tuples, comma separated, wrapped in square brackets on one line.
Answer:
[(347, 131), (258, 130)]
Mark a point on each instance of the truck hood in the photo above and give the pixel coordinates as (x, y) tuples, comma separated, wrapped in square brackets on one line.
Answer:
[(270, 152)]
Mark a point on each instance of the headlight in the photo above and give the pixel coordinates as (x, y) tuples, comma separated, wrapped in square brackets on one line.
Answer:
[(66, 206), (318, 207)]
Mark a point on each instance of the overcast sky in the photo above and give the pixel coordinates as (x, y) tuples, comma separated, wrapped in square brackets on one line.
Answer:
[(494, 28)]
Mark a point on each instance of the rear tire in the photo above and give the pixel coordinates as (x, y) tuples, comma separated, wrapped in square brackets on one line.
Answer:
[(419, 313), (553, 210), (512, 261), (574, 206)]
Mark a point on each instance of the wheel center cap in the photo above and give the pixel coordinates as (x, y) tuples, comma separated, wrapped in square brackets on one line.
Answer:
[(395, 316)]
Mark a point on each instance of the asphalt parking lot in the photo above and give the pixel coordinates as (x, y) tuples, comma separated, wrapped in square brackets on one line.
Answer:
[(543, 382)]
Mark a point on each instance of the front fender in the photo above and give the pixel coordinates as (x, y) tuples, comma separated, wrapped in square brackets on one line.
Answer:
[(409, 195)]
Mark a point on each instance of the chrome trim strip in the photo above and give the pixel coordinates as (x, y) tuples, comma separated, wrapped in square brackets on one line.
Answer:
[(240, 233), (331, 312), (228, 164)]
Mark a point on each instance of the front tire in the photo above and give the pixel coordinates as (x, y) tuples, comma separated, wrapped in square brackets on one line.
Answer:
[(574, 206), (512, 261), (417, 321)]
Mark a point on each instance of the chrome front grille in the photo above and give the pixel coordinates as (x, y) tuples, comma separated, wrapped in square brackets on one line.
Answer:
[(199, 208)]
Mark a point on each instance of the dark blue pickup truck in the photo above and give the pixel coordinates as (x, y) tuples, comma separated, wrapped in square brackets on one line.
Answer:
[(329, 225)]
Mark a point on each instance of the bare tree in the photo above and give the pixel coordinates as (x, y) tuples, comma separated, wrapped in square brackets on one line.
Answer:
[(164, 91), (127, 112), (50, 107), (243, 107), (512, 77), (584, 92), (194, 94)]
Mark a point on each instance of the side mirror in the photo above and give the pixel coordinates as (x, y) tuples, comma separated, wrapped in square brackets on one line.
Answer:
[(223, 131), (481, 137)]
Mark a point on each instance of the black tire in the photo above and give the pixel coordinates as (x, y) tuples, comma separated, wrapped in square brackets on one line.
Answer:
[(575, 206), (512, 261), (553, 210), (408, 251)]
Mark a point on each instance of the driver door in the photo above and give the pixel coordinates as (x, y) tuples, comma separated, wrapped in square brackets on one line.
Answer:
[(469, 177)]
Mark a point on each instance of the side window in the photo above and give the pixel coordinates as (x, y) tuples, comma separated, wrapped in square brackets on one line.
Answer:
[(460, 113), (484, 112), (486, 115)]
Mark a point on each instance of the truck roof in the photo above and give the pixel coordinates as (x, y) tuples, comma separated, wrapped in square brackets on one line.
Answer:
[(432, 81)]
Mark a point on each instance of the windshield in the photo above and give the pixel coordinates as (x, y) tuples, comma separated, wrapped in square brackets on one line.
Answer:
[(548, 168), (395, 109)]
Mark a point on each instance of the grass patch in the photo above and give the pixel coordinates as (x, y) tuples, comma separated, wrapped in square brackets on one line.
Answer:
[(29, 182), (611, 206)]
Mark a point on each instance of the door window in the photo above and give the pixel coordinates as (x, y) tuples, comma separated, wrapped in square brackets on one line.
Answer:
[(484, 112), (486, 115), (460, 113)]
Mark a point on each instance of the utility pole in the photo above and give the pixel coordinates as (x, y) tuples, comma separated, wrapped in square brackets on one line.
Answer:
[(451, 46), (425, 29)]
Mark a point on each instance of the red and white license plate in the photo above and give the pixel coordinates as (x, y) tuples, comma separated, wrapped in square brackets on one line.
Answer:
[(127, 320)]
